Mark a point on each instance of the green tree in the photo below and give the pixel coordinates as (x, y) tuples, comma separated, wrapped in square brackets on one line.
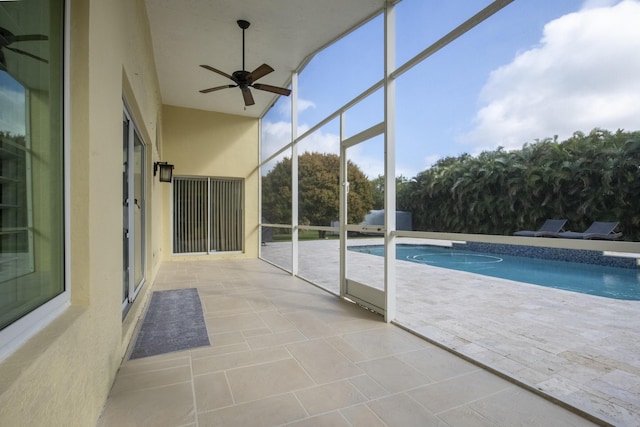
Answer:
[(319, 191), (377, 185)]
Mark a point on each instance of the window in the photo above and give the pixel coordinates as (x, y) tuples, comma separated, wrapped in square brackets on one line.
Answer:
[(31, 162), (207, 215)]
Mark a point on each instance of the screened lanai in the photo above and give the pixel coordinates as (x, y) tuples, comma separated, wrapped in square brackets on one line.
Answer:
[(366, 129), (453, 114)]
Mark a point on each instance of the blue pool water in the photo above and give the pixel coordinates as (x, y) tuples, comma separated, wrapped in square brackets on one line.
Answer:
[(604, 281)]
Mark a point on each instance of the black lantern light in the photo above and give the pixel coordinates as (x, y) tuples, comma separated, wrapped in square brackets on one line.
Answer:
[(166, 171)]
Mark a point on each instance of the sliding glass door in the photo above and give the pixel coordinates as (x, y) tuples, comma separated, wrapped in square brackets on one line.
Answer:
[(133, 223), (208, 215)]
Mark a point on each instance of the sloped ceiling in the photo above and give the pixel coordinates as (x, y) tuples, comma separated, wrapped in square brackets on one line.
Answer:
[(283, 34)]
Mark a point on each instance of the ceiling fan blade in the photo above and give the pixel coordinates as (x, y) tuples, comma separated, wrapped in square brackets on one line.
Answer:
[(212, 89), (259, 72), (22, 52), (248, 98), (222, 73), (274, 89), (30, 37)]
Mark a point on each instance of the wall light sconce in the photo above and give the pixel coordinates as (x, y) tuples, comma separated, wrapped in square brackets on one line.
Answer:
[(166, 171)]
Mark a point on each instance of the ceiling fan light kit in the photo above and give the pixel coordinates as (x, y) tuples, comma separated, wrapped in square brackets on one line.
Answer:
[(244, 79)]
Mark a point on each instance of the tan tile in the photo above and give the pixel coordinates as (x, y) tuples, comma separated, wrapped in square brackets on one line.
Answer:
[(369, 387), (212, 391), (520, 407), (228, 338), (393, 374), (278, 338), (203, 352), (329, 397), (225, 304), (361, 416), (220, 324), (259, 303), (384, 341), (310, 325), (276, 321), (168, 406), (177, 357), (464, 416), (333, 419), (135, 367), (267, 379), (152, 379), (347, 349), (267, 412), (236, 360), (437, 363), (356, 325), (458, 391), (255, 332), (402, 411), (323, 362)]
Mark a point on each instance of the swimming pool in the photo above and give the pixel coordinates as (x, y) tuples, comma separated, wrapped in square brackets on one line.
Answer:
[(605, 281)]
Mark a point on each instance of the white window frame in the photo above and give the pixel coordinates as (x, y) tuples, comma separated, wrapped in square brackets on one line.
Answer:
[(16, 334)]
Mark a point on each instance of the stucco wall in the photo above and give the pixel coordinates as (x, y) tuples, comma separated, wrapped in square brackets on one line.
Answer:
[(201, 143), (62, 375)]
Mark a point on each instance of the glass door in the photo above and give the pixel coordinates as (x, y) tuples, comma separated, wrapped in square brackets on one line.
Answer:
[(133, 223), (125, 211)]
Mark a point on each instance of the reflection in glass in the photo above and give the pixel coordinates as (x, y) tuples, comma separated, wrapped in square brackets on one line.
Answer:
[(31, 157), (138, 210)]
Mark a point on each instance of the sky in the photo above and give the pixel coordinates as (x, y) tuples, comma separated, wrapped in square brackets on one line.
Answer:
[(534, 70), (12, 107)]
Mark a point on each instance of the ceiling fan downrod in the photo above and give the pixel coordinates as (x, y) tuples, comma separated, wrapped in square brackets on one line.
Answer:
[(244, 25)]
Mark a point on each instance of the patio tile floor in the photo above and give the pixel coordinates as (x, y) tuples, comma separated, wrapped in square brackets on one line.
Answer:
[(580, 349), (284, 352)]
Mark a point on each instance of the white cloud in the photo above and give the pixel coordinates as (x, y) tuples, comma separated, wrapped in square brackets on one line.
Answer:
[(593, 4), (585, 73), (303, 104), (318, 141), (275, 135)]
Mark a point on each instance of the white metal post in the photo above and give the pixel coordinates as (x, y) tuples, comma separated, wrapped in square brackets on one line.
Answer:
[(389, 164), (294, 174), (342, 218)]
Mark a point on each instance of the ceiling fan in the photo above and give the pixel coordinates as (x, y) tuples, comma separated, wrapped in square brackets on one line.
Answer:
[(7, 38), (244, 79)]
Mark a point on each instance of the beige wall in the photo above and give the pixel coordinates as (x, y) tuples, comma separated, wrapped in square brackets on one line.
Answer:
[(201, 143), (62, 375)]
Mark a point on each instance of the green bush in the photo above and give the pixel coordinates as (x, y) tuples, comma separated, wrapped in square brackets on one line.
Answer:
[(588, 177)]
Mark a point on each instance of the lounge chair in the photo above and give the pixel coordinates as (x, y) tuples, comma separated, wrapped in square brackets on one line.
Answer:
[(550, 228), (597, 231)]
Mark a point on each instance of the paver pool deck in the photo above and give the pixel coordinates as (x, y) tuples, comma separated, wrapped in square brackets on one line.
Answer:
[(580, 349)]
